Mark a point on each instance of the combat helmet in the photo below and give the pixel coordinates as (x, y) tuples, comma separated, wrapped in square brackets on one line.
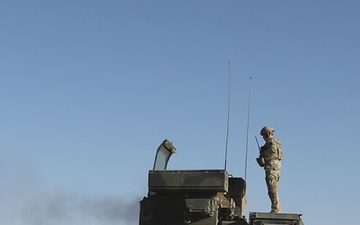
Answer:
[(265, 130)]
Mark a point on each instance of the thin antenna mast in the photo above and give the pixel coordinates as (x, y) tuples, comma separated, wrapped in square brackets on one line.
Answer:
[(247, 129), (228, 117)]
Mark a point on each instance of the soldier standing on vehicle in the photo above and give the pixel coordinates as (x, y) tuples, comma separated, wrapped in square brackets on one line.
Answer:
[(270, 158)]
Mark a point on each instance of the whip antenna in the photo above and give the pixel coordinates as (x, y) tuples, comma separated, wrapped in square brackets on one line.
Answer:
[(247, 129), (228, 117)]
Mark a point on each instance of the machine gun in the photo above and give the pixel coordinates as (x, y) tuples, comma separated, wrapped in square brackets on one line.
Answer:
[(199, 197)]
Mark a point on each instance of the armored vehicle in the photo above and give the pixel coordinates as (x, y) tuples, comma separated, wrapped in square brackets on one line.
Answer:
[(199, 197)]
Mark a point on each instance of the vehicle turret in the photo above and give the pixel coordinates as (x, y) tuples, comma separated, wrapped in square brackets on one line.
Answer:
[(198, 197)]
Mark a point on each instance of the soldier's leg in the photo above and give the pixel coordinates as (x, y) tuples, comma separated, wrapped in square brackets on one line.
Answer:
[(272, 178)]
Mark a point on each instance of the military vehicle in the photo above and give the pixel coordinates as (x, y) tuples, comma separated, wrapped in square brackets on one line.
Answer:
[(199, 197)]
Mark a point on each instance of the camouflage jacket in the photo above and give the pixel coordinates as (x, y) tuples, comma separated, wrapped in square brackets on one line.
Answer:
[(272, 153)]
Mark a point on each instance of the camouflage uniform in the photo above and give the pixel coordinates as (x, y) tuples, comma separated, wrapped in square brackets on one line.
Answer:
[(271, 153)]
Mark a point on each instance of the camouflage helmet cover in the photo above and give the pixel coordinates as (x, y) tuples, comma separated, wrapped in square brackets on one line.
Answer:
[(265, 130)]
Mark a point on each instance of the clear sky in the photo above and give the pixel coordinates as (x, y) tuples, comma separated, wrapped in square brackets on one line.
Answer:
[(89, 89)]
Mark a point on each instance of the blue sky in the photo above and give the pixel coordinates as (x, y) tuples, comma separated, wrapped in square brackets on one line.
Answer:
[(89, 89)]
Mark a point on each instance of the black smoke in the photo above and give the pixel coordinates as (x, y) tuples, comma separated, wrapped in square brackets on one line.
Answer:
[(71, 209), (27, 198)]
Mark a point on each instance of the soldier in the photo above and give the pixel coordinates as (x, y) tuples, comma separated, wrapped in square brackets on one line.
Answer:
[(270, 158)]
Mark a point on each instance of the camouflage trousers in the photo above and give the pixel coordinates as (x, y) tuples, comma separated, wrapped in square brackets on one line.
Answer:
[(272, 178)]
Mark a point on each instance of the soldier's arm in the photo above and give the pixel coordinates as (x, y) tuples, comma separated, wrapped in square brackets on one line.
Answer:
[(271, 143), (262, 151)]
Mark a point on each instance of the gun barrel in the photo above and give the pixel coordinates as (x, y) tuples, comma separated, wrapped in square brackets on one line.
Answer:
[(257, 142)]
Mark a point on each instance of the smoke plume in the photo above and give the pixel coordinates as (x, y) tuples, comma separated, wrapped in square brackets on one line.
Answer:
[(27, 199), (69, 209)]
